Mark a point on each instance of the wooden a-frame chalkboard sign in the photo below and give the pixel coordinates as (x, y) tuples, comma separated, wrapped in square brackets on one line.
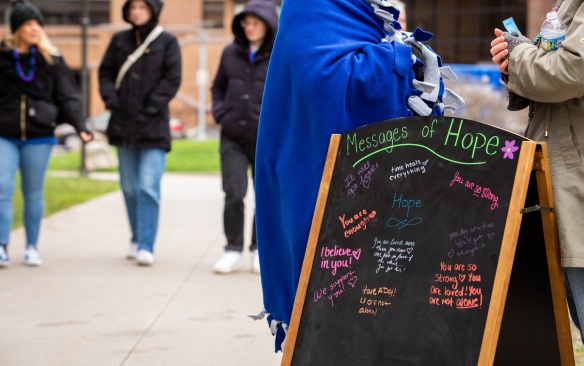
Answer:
[(423, 251)]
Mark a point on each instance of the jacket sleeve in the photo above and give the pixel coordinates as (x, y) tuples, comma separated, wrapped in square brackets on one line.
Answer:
[(218, 91), (67, 96), (171, 77), (550, 77), (108, 72)]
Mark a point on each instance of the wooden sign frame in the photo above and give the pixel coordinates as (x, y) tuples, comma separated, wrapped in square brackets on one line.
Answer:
[(533, 157)]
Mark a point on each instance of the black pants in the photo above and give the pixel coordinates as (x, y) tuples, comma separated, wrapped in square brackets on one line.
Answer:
[(236, 158)]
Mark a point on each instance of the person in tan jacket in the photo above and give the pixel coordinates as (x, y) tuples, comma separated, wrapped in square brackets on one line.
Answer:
[(553, 84)]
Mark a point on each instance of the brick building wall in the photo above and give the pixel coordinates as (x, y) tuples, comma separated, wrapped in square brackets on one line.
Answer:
[(182, 18)]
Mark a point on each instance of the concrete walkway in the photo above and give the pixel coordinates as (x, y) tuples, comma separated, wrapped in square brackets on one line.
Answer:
[(88, 305)]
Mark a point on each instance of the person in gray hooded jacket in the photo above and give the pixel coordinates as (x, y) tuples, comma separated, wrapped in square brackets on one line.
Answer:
[(237, 98), (139, 123)]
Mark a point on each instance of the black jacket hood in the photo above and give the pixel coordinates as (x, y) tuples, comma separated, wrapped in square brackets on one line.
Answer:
[(155, 5), (263, 9)]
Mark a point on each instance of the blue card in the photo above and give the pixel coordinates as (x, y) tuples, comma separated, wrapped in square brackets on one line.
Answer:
[(510, 26)]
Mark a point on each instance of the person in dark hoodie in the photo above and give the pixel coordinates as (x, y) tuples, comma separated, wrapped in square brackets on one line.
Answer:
[(37, 91), (138, 94), (237, 92)]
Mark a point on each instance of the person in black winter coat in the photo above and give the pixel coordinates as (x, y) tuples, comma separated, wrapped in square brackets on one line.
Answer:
[(237, 98), (139, 124), (37, 91)]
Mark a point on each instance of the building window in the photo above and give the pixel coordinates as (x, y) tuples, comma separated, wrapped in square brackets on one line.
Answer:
[(67, 12), (213, 13), (464, 29)]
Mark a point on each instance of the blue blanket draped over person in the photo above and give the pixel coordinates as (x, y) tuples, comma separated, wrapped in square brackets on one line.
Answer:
[(336, 65)]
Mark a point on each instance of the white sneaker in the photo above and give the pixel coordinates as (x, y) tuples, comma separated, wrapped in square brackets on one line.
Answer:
[(229, 261), (133, 252), (32, 257), (144, 258), (255, 262), (4, 260)]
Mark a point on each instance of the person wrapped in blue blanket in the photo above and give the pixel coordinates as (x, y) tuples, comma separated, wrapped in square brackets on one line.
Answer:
[(336, 65)]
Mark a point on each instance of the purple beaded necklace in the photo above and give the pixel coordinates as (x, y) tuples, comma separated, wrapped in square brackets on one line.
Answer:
[(30, 74)]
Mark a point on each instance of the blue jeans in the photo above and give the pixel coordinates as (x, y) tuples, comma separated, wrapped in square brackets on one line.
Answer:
[(140, 175), (574, 281), (33, 160)]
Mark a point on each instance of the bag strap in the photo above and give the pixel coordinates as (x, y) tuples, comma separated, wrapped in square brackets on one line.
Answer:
[(137, 54)]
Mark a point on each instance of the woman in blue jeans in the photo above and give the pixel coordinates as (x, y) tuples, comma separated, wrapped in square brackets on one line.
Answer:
[(38, 91), (138, 126)]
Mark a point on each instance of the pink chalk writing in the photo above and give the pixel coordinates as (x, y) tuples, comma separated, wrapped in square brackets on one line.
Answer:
[(477, 190)]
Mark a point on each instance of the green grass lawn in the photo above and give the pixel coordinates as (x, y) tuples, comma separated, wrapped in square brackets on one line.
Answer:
[(193, 156), (187, 156), (61, 193)]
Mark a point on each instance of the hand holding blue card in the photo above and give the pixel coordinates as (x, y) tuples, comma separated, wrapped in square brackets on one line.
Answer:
[(510, 26)]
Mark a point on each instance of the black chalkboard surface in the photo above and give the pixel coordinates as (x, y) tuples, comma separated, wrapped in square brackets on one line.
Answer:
[(402, 266)]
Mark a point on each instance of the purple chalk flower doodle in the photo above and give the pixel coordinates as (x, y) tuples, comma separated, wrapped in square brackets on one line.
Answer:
[(509, 149)]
